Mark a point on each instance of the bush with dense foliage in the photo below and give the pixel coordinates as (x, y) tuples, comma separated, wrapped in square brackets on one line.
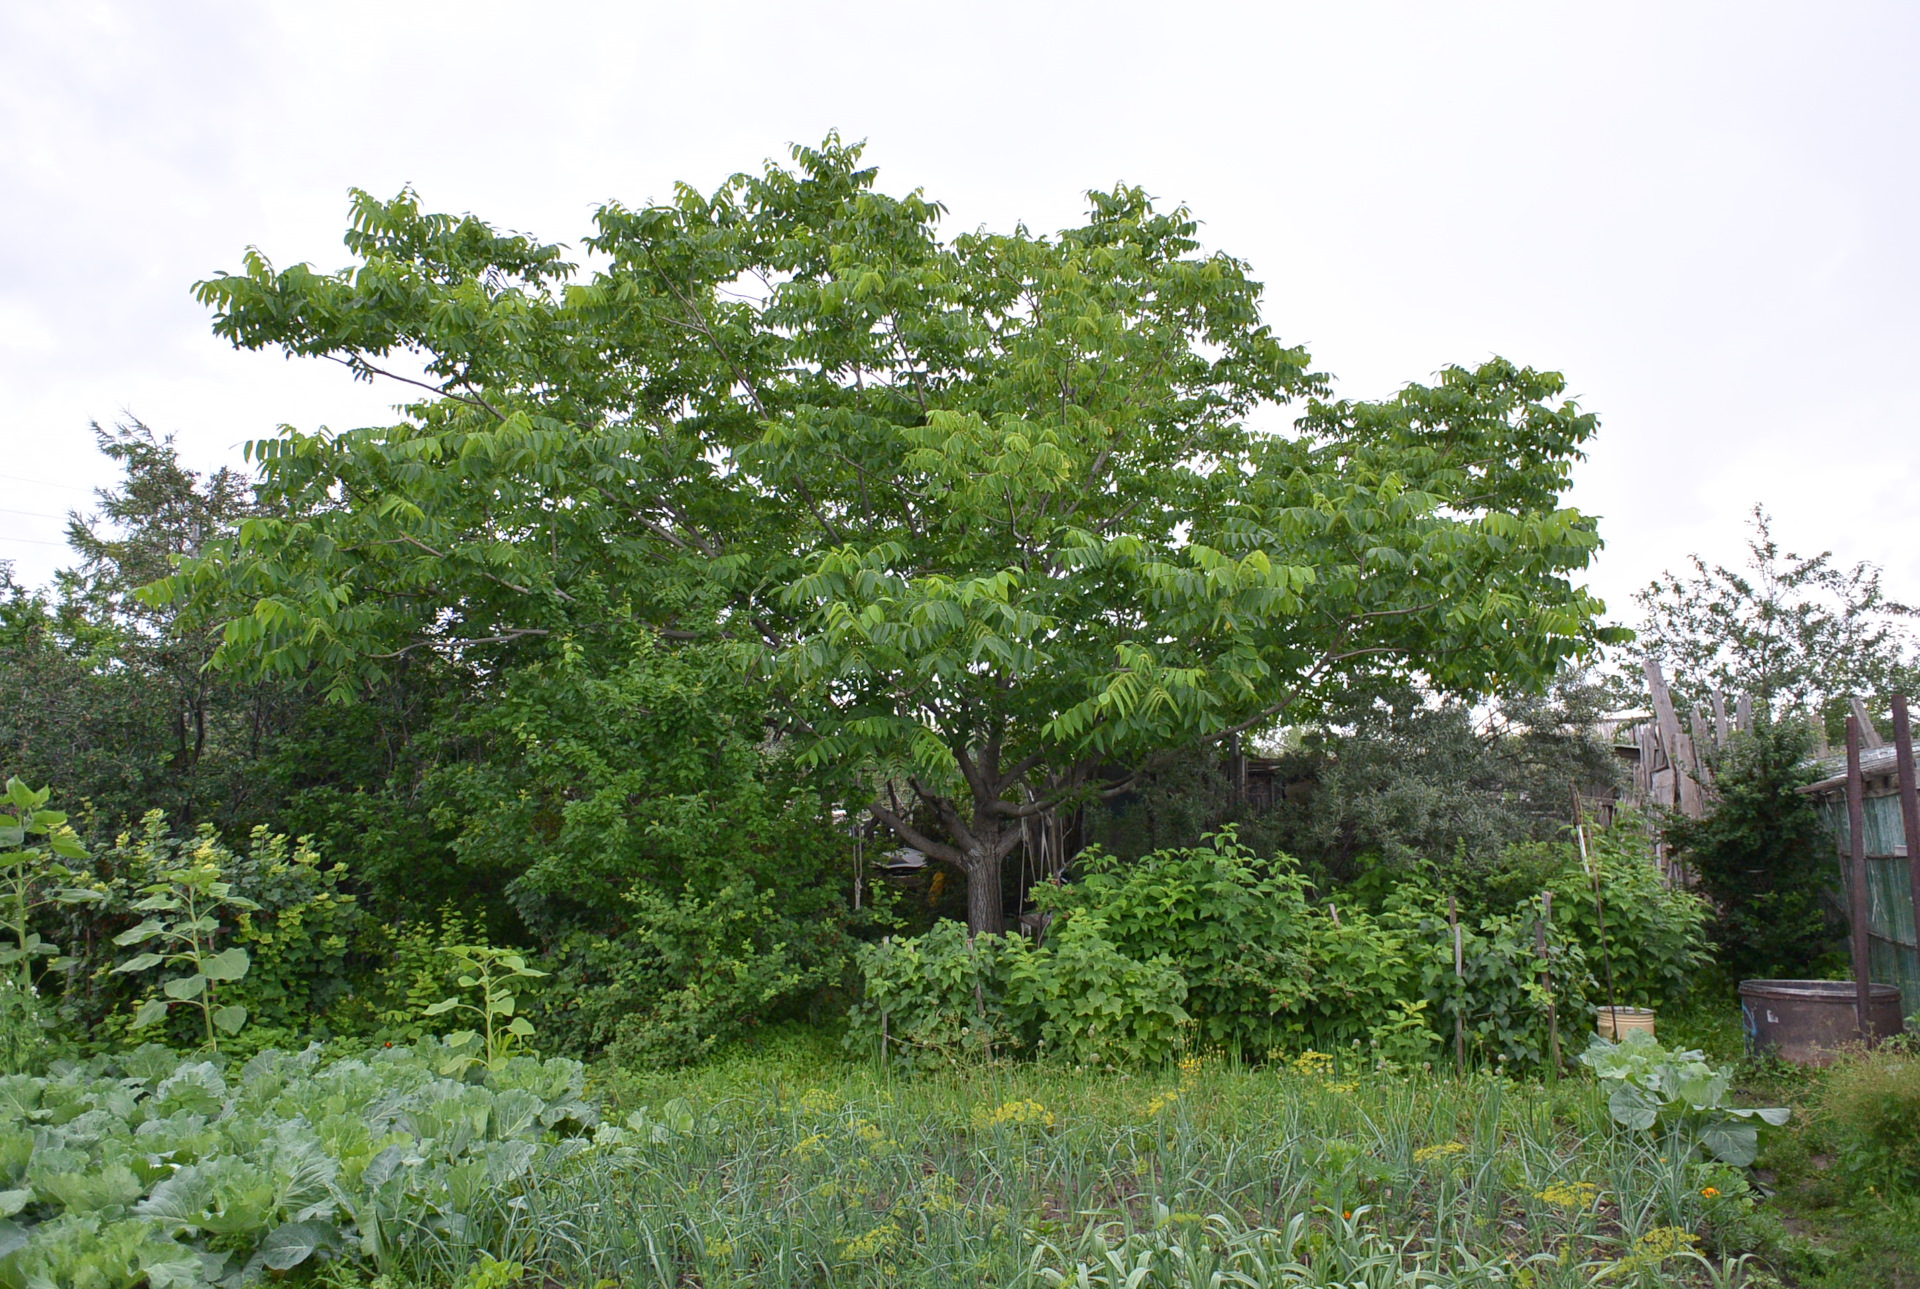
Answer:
[(1264, 964), (685, 975), (595, 773), (282, 906), (948, 996)]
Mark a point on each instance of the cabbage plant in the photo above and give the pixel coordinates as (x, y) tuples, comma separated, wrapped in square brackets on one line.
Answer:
[(180, 1173), (1680, 1092)]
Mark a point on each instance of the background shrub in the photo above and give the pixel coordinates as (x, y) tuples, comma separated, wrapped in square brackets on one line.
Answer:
[(941, 997), (302, 939), (1234, 926)]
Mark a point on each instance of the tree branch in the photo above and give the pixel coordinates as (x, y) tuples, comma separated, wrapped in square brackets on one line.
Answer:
[(463, 644), (917, 839), (360, 365)]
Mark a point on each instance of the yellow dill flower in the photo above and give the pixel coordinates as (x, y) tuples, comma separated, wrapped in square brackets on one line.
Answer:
[(872, 1244), (1663, 1242), (818, 1101), (1311, 1063), (1015, 1112), (811, 1146), (1342, 1089), (1161, 1102), (1568, 1194), (1426, 1153)]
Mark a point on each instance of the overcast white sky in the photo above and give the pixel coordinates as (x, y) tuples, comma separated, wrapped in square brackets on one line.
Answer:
[(1702, 214)]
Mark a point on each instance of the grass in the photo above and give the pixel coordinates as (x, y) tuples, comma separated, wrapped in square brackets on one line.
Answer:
[(1852, 1219), (788, 1165)]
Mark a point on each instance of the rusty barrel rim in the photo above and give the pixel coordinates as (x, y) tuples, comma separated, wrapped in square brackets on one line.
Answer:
[(1816, 990)]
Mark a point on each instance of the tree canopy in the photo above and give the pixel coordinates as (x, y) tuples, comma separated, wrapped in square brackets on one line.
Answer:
[(999, 516), (1798, 633)]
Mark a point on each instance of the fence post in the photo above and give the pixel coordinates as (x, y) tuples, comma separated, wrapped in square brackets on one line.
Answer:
[(1857, 878), (1909, 800)]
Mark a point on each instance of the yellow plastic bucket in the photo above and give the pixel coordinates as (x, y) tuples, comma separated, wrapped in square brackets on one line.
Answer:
[(1617, 1022)]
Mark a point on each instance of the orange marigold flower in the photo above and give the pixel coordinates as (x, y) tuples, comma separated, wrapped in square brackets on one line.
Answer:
[(1710, 1192)]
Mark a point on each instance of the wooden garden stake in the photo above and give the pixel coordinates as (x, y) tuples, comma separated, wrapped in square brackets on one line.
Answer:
[(1546, 979), (1909, 795), (1460, 975), (1599, 914), (1857, 875)]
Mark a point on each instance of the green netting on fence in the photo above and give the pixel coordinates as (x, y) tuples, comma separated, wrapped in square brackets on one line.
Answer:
[(1893, 957)]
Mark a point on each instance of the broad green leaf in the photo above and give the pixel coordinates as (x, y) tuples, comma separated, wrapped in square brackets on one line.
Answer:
[(520, 1027), (230, 1018), (442, 1007), (145, 931), (140, 962), (286, 1247), (1731, 1142), (151, 1012), (678, 1114), (1633, 1107), (185, 987), (228, 964)]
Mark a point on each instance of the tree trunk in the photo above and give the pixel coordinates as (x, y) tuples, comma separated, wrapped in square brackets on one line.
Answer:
[(984, 914)]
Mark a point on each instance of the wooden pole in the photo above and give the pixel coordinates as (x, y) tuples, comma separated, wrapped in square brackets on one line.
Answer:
[(1599, 915), (1909, 798), (1546, 981), (1857, 875), (1459, 975)]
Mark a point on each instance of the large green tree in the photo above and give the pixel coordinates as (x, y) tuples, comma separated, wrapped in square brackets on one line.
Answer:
[(1002, 516)]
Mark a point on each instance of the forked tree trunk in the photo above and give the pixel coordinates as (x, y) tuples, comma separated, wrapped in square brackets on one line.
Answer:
[(980, 844)]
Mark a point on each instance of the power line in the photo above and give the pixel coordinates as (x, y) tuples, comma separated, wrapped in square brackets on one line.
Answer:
[(37, 514), (44, 483)]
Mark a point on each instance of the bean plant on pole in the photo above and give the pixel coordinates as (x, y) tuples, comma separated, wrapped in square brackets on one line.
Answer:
[(1003, 516)]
